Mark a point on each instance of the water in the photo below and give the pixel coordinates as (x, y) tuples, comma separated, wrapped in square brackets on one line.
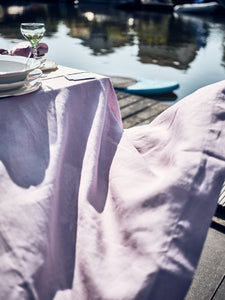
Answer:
[(103, 39)]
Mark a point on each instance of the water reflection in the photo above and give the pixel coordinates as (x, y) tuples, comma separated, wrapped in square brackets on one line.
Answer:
[(172, 40), (161, 39)]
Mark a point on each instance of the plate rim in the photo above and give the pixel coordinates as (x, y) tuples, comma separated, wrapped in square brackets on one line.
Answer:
[(23, 90), (34, 64)]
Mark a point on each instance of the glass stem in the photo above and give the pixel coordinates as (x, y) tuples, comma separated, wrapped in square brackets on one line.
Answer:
[(34, 51)]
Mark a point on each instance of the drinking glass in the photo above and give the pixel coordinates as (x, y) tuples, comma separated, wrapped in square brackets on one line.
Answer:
[(33, 32)]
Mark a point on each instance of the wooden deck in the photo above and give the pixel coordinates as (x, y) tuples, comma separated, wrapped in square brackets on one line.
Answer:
[(222, 196), (138, 110)]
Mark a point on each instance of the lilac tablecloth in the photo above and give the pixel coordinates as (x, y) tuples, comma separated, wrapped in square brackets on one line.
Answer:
[(92, 212)]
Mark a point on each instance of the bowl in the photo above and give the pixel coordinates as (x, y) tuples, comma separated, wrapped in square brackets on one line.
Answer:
[(16, 68)]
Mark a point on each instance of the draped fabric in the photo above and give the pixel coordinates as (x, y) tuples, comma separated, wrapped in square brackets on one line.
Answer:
[(90, 211)]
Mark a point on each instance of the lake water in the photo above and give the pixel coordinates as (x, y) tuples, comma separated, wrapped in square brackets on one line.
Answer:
[(106, 40)]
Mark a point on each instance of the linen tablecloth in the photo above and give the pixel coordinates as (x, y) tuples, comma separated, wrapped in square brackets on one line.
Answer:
[(45, 137), (89, 211)]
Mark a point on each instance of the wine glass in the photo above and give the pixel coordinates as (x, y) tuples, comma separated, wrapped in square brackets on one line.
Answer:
[(33, 32)]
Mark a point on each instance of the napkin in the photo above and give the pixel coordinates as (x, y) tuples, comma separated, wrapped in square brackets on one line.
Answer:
[(79, 76), (24, 49)]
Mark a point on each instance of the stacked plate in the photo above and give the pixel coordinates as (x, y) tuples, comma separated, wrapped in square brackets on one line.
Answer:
[(18, 75)]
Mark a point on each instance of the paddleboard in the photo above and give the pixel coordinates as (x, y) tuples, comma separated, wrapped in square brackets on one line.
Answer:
[(152, 87)]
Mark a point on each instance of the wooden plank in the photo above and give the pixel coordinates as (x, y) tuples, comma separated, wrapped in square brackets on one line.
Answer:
[(128, 99), (121, 95), (221, 200), (122, 82), (144, 116), (131, 100), (135, 108), (151, 113)]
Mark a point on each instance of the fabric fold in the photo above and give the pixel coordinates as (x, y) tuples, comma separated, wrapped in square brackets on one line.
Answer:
[(164, 184)]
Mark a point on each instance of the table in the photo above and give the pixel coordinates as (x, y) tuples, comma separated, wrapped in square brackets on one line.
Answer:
[(91, 211), (46, 139)]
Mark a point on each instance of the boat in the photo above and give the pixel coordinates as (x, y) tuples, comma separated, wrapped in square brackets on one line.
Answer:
[(197, 8), (149, 6)]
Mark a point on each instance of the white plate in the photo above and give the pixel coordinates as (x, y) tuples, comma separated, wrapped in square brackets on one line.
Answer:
[(26, 89), (15, 85), (16, 68)]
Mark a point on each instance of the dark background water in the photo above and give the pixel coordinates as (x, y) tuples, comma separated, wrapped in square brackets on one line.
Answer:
[(104, 39)]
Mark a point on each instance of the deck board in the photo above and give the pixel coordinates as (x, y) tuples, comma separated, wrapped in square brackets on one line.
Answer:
[(222, 197), (135, 110)]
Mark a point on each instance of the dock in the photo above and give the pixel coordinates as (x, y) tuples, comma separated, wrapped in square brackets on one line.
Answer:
[(136, 110)]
